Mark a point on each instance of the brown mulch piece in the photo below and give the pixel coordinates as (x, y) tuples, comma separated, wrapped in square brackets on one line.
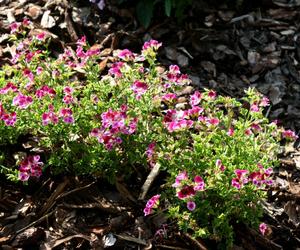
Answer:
[(227, 48)]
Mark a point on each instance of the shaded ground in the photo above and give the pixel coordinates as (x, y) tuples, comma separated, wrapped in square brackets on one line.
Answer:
[(228, 48)]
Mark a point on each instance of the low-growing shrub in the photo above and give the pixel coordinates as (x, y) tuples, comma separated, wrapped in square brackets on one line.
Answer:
[(218, 152)]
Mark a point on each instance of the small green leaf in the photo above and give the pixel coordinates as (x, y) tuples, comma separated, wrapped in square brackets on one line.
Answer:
[(168, 7), (144, 11)]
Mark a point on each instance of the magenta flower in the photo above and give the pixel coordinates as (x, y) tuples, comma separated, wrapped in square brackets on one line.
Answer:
[(8, 87), (186, 191), (254, 107), (9, 119), (41, 36), (264, 102), (28, 74), (22, 101), (152, 203), (39, 70), (180, 177), (248, 131), (255, 127), (14, 27), (152, 44), (30, 166), (67, 115), (81, 41), (126, 54), (263, 228), (45, 90), (174, 69), (195, 111), (220, 165), (169, 98), (212, 94), (92, 52), (235, 182), (191, 205), (230, 132), (213, 121), (150, 150), (199, 183), (289, 134), (195, 98), (139, 88), (26, 22), (116, 69)]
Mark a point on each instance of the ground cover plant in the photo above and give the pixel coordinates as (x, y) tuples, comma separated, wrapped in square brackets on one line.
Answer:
[(218, 151)]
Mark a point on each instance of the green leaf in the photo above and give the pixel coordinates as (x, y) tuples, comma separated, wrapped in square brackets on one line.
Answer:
[(144, 11), (168, 7)]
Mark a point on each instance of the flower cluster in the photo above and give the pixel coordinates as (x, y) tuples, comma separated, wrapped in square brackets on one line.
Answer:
[(187, 189), (114, 124), (8, 118), (259, 178), (150, 153), (174, 76), (151, 204), (30, 166)]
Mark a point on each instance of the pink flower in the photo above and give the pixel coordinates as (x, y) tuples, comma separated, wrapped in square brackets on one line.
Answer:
[(230, 132), (191, 205), (39, 70), (22, 101), (48, 117), (126, 54), (248, 131), (81, 41), (264, 102), (28, 74), (235, 182), (139, 88), (180, 177), (212, 94), (174, 69), (41, 36), (263, 228), (152, 44), (195, 98), (152, 203), (255, 127), (195, 111), (289, 134), (14, 27), (213, 121), (67, 115), (9, 87), (254, 107), (45, 90), (220, 165), (241, 173), (23, 176), (26, 22), (169, 98), (30, 166), (68, 90), (92, 52), (200, 185), (9, 119), (147, 211), (186, 191), (150, 150), (116, 69)]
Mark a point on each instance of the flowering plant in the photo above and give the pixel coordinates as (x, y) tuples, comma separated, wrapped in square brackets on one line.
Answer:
[(218, 151)]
